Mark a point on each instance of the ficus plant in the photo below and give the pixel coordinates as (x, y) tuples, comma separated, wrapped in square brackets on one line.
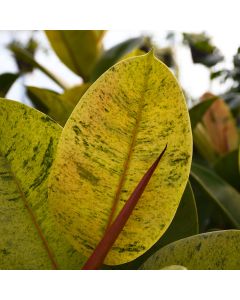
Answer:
[(105, 176)]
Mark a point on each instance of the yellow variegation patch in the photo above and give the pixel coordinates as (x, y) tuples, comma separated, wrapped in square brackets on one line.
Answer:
[(115, 133), (28, 235)]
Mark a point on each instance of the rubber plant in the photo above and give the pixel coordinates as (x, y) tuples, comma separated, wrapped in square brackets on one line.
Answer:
[(132, 117), (114, 134)]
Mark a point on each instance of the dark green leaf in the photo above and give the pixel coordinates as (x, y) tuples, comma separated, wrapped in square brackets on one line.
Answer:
[(227, 168), (223, 194), (202, 49), (6, 81)]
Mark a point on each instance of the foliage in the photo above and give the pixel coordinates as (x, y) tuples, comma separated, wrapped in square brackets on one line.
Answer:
[(82, 181)]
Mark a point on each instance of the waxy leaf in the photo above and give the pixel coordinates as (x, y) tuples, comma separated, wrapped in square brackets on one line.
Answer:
[(6, 81), (28, 235), (220, 192), (77, 49), (184, 224), (108, 143), (219, 250), (113, 230)]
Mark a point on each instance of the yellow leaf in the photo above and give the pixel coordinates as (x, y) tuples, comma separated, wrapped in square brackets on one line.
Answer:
[(114, 134), (28, 235)]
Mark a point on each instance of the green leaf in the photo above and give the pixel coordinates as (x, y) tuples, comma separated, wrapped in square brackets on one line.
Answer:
[(197, 112), (113, 55), (115, 132), (26, 57), (77, 49), (218, 250), (6, 81), (223, 194), (202, 50), (50, 103), (227, 168), (184, 224), (29, 239)]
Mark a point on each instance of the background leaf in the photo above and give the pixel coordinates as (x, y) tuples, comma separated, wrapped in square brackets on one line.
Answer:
[(223, 194), (50, 103), (77, 49), (29, 239), (113, 55), (111, 138), (218, 250), (227, 168), (26, 57), (197, 112), (6, 81)]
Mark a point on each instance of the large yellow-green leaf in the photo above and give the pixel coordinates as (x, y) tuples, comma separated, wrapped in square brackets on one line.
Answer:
[(77, 49), (28, 235), (219, 250), (117, 131)]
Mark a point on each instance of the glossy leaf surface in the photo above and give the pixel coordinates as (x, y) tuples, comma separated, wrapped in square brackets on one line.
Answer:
[(29, 238), (113, 135), (218, 250), (184, 224)]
